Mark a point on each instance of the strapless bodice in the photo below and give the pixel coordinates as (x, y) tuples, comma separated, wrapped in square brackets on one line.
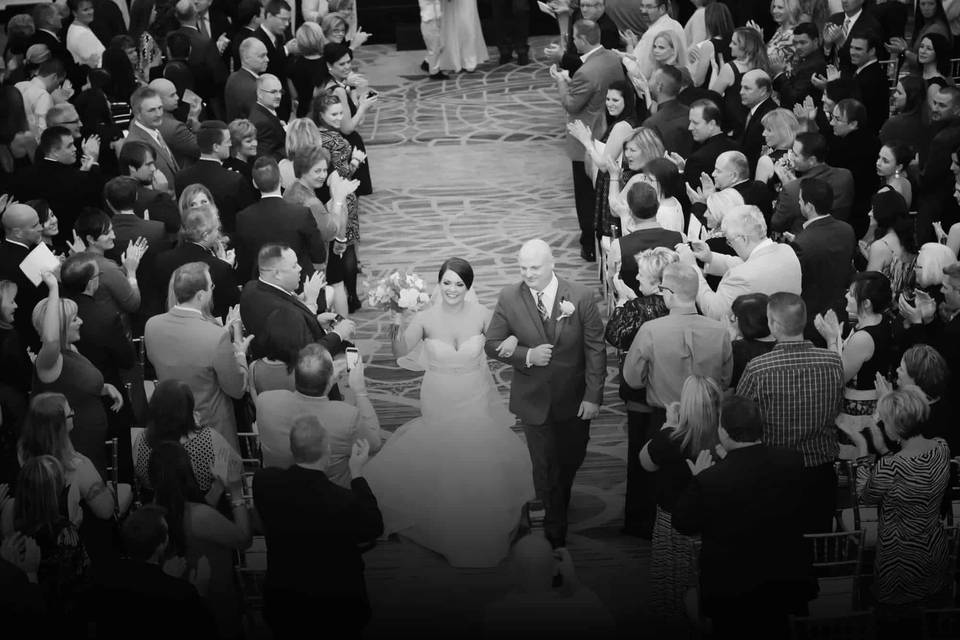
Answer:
[(443, 356)]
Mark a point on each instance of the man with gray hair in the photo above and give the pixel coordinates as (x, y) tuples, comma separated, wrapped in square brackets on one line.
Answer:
[(147, 108), (731, 179), (760, 266), (241, 90)]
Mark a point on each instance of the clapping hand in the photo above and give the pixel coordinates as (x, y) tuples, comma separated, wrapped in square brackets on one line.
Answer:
[(819, 81), (807, 111), (832, 73), (111, 392), (896, 45), (832, 34), (159, 181), (341, 187), (359, 456), (580, 131), (882, 385), (629, 38), (828, 326), (507, 347), (676, 159), (703, 462), (63, 93), (752, 24), (358, 156), (695, 195), (91, 147), (130, 259), (922, 311), (312, 286), (553, 52), (707, 187), (623, 291), (359, 37), (76, 245)]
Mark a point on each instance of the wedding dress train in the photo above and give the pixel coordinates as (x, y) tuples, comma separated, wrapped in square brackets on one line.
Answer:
[(463, 44)]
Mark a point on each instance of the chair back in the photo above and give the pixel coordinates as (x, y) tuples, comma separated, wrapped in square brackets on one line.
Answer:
[(955, 69), (855, 626), (113, 471), (838, 565), (251, 572)]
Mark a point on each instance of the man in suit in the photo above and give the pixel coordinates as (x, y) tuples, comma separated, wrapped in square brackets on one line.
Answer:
[(935, 181), (230, 191), (241, 90), (185, 344), (567, 56), (795, 85), (313, 529), (21, 229), (49, 30), (706, 129), (756, 94), (201, 243), (147, 108), (844, 26), (583, 98), (642, 203), (247, 22), (315, 376), (871, 79), (271, 136), (672, 119), (136, 161), (274, 220), (279, 279), (559, 367), (209, 69), (825, 248), (179, 136), (809, 155), (731, 172), (273, 29), (760, 266), (755, 567)]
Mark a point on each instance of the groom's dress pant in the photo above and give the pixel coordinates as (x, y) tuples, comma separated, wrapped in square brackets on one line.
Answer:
[(557, 449)]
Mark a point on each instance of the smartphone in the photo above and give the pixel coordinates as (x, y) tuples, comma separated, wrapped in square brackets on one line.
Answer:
[(536, 512), (353, 357)]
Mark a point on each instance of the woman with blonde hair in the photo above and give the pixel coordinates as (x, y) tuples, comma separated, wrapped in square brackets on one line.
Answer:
[(193, 197), (691, 427), (786, 15), (780, 129), (748, 52), (640, 148), (309, 71), (302, 134), (243, 148)]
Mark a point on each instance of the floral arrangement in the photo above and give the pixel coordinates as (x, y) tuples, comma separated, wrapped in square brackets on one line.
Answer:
[(398, 292)]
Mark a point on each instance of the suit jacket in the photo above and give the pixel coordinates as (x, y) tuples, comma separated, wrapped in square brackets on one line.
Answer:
[(129, 227), (242, 34), (313, 528), (64, 187), (786, 215), (825, 248), (671, 122), (578, 367), (770, 268), (756, 193), (704, 158), (752, 139), (209, 70), (874, 94), (745, 510), (28, 295), (225, 292), (166, 163), (160, 206), (858, 152), (797, 86), (107, 21), (271, 137), (866, 26), (57, 45), (240, 94), (182, 345), (259, 299), (104, 338), (609, 38), (230, 191), (587, 91), (182, 141), (275, 220), (278, 65)]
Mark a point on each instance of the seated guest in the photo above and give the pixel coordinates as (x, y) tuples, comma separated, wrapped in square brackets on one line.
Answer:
[(808, 156), (754, 565), (760, 266), (855, 147), (344, 422), (313, 527), (749, 318), (280, 343), (912, 565), (186, 344), (801, 417)]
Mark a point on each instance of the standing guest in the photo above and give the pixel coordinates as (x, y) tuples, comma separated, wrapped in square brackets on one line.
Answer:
[(780, 128), (706, 129), (512, 25), (246, 22), (39, 91), (243, 148), (744, 508), (795, 83), (22, 232), (856, 147), (240, 92), (719, 25), (933, 60), (180, 137), (672, 119), (49, 24), (325, 542), (658, 19), (907, 101), (15, 375), (566, 55), (273, 29), (872, 81), (118, 288), (893, 248), (204, 60), (302, 134), (854, 21), (82, 43), (756, 94), (280, 343), (748, 53), (786, 15), (271, 138), (137, 161), (892, 165), (642, 147), (933, 181), (309, 69), (929, 17), (731, 172), (808, 157), (798, 389), (48, 220), (185, 344), (938, 326), (923, 367), (749, 320), (665, 178), (147, 108)]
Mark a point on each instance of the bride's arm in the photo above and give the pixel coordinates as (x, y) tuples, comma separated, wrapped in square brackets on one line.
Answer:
[(508, 345), (406, 338)]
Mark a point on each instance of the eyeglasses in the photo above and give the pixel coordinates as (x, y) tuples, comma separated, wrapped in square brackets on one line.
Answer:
[(662, 288)]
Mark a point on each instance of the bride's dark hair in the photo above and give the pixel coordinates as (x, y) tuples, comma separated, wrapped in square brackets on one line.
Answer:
[(460, 267)]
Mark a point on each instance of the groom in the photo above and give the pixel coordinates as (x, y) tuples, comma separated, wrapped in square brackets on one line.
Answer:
[(559, 366)]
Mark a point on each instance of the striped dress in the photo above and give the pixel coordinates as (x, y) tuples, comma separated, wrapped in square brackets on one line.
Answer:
[(912, 555)]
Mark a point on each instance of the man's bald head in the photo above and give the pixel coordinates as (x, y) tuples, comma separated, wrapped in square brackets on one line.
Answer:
[(683, 281), (755, 87), (21, 223), (536, 264), (167, 92), (537, 248), (534, 563), (185, 12), (253, 55)]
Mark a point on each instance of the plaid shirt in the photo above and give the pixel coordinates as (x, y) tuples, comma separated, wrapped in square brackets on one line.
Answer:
[(799, 389)]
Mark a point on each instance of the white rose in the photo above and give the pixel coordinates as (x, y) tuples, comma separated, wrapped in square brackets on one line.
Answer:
[(424, 297), (408, 298), (566, 309)]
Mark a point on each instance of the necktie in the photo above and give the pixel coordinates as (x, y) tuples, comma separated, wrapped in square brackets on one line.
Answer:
[(847, 23), (204, 28), (540, 306), (163, 146)]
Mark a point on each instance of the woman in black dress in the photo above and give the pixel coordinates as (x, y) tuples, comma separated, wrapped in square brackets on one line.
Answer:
[(309, 71), (748, 52)]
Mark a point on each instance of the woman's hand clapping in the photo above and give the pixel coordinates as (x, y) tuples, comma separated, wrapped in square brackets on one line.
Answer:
[(133, 255)]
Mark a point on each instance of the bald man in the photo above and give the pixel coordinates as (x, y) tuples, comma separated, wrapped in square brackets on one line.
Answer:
[(271, 137), (241, 89), (756, 93), (21, 228), (179, 136), (559, 362)]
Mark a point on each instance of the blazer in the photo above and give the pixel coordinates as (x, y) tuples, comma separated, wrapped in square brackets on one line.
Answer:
[(166, 163), (756, 193), (797, 86), (672, 122), (182, 141), (159, 206), (858, 152), (874, 94), (745, 509), (587, 91), (65, 188), (578, 367), (271, 137), (752, 139), (129, 227), (278, 64), (182, 345), (786, 215), (704, 157), (825, 249), (28, 295), (609, 38), (240, 94), (313, 528), (104, 338), (275, 220), (230, 191), (770, 268), (259, 299), (208, 67), (225, 293), (866, 26), (242, 34)]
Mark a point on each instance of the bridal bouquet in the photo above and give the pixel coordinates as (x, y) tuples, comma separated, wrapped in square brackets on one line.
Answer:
[(399, 292)]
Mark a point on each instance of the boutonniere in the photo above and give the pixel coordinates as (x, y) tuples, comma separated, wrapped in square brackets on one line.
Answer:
[(566, 309)]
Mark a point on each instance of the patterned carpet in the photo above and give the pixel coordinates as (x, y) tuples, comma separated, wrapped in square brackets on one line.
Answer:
[(471, 167)]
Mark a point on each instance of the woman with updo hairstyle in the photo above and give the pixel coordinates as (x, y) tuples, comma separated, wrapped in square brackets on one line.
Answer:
[(353, 92), (302, 133), (912, 567), (893, 162), (280, 343), (309, 71), (892, 248), (243, 148), (749, 319), (665, 178), (907, 101)]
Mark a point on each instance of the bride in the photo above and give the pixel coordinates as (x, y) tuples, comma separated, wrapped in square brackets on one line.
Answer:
[(455, 479)]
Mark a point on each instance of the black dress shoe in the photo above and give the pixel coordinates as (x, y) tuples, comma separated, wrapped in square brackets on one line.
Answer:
[(353, 303), (588, 255), (523, 58), (439, 75), (506, 58), (424, 66)]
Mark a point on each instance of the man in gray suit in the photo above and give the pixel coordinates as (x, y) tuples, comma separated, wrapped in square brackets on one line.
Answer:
[(582, 96), (147, 108), (180, 137), (241, 90), (672, 119)]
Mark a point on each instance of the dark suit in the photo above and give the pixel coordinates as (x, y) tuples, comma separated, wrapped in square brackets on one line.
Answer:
[(797, 86), (11, 255), (754, 564), (225, 292), (609, 38), (874, 94), (936, 181), (240, 94), (129, 227), (160, 206), (866, 26), (704, 158), (858, 152), (230, 191), (825, 248), (259, 299), (65, 188), (166, 163), (271, 138), (208, 67), (756, 193), (278, 65), (242, 34), (274, 220), (786, 215), (752, 139), (107, 21), (641, 240), (181, 140), (672, 124), (313, 528)]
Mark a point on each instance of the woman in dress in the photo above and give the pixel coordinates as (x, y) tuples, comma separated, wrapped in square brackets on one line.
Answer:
[(309, 71), (929, 17), (907, 102), (83, 45), (356, 99), (665, 178), (243, 148), (748, 52), (892, 164), (455, 479), (749, 319), (893, 247), (786, 15), (780, 129), (703, 56), (463, 44), (933, 58), (641, 147)]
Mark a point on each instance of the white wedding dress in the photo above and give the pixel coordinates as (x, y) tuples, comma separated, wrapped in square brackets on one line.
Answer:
[(463, 44), (454, 480)]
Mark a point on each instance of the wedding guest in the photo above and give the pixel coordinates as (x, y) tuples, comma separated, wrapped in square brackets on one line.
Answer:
[(641, 147), (512, 26), (719, 25), (243, 147), (38, 93), (566, 55), (323, 540), (181, 137), (345, 423), (82, 44), (203, 60), (309, 69), (706, 129), (937, 325), (17, 369), (22, 232), (196, 196), (780, 128), (756, 95), (800, 418), (240, 92), (302, 134), (274, 24), (155, 201), (892, 165), (48, 220), (672, 118), (907, 101), (933, 182), (795, 83), (929, 17), (855, 148), (665, 178), (932, 259), (893, 249), (271, 137), (147, 107), (279, 344), (748, 53), (731, 172), (749, 318), (118, 286), (658, 20), (808, 157)]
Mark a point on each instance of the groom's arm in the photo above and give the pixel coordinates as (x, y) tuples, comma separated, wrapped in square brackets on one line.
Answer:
[(594, 350), (498, 331)]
